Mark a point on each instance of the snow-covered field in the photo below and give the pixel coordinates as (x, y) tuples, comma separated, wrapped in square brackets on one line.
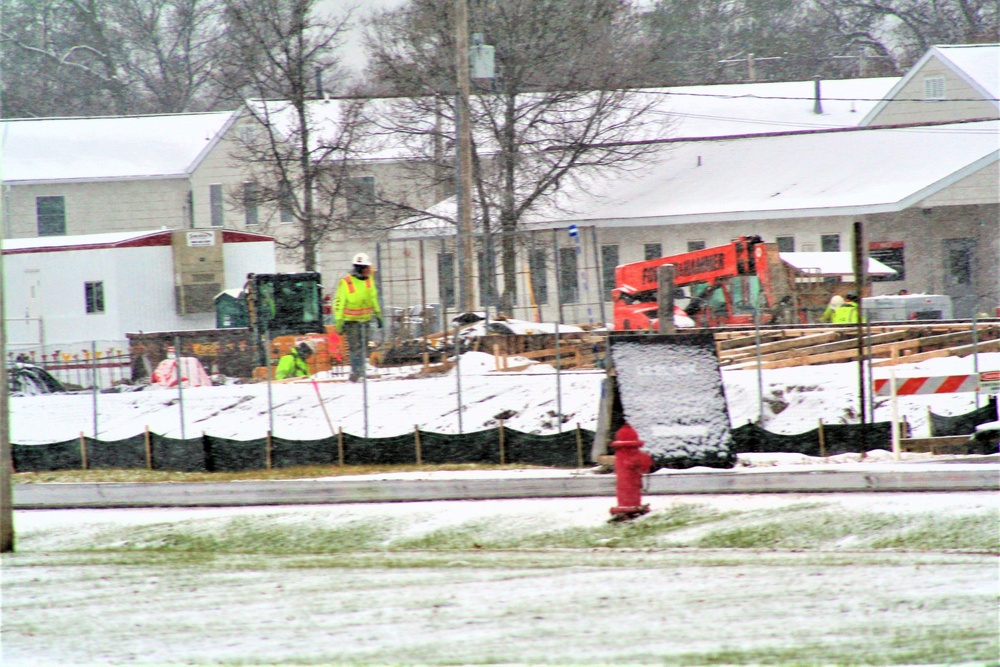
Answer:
[(794, 399), (882, 579)]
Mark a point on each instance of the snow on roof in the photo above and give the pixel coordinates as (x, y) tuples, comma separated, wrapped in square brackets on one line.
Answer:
[(832, 263), (57, 149), (867, 171), (979, 62), (112, 240)]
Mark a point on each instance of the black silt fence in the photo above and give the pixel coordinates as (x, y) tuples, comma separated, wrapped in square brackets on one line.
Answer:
[(176, 454), (837, 439), (224, 455), (290, 453), (478, 447), (43, 458), (124, 454), (966, 424)]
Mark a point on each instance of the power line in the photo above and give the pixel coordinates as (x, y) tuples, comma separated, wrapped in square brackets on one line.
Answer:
[(810, 98)]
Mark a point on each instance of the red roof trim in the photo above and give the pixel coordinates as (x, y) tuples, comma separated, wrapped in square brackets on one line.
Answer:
[(154, 239)]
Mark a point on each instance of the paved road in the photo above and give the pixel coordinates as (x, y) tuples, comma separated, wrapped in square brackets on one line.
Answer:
[(812, 479)]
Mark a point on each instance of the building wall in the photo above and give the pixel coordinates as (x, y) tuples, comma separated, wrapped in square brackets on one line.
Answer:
[(982, 187), (99, 206), (913, 108)]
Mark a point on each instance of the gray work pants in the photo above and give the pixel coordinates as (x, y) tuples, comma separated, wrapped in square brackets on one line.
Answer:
[(357, 344)]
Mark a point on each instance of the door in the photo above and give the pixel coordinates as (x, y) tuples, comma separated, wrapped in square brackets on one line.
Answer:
[(960, 275)]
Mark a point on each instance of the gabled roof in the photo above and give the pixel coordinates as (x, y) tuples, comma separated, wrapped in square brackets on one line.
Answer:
[(120, 147), (108, 240), (976, 64)]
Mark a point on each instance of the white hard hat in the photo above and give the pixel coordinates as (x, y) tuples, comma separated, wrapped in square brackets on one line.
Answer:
[(362, 259)]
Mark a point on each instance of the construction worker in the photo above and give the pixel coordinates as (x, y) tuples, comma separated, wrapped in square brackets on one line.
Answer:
[(847, 313), (354, 306), (836, 301), (295, 363)]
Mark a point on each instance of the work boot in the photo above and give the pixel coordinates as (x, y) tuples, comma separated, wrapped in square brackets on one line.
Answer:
[(353, 377)]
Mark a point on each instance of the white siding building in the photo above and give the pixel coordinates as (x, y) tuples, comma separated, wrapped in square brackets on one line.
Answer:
[(71, 290)]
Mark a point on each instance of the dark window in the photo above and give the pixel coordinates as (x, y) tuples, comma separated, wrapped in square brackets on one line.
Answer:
[(286, 206), (250, 204), (652, 250), (215, 204), (51, 213), (609, 260), (487, 279), (958, 261), (569, 289), (786, 244), (190, 209), (93, 294), (361, 197), (537, 264), (696, 245), (829, 242), (446, 278)]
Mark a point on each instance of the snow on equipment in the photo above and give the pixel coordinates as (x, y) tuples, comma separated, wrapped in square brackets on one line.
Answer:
[(669, 389), (24, 379)]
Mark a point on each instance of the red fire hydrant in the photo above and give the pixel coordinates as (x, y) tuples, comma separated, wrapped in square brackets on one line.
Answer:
[(630, 465)]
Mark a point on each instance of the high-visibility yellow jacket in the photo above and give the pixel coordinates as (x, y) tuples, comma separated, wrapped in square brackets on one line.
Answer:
[(846, 314), (356, 300), (291, 365)]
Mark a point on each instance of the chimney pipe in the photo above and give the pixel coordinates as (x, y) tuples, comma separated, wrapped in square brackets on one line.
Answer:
[(818, 96), (319, 83)]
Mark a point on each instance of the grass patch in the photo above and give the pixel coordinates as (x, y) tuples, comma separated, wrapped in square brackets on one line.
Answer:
[(295, 472)]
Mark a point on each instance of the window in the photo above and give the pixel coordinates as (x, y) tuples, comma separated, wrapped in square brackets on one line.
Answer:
[(786, 243), (959, 260), (190, 209), (569, 289), (215, 204), (934, 88), (446, 278), (609, 260), (51, 215), (361, 197), (696, 245), (286, 204), (830, 242), (487, 295), (93, 294), (250, 204), (652, 250), (537, 264)]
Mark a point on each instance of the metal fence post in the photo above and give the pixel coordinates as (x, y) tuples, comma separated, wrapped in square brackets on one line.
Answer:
[(364, 371), (558, 381), (180, 383), (458, 380), (267, 374), (93, 379)]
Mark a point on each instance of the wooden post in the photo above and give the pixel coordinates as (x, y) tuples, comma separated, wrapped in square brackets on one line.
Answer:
[(427, 360), (579, 446), (501, 443), (416, 439), (149, 449), (340, 445), (665, 298), (822, 440), (496, 356), (267, 451), (83, 451)]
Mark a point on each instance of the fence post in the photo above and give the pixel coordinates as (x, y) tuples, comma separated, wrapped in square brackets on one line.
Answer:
[(340, 445), (180, 383), (416, 440), (502, 457), (579, 446), (822, 440), (83, 451), (458, 380), (149, 449), (558, 381), (267, 451), (93, 379)]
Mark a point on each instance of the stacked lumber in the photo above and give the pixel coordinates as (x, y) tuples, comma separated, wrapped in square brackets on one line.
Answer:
[(886, 344)]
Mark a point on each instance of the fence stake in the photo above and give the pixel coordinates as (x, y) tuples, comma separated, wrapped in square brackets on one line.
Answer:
[(364, 372), (558, 381), (416, 439), (458, 380), (93, 378), (340, 445), (83, 451), (180, 382), (894, 404), (502, 457), (149, 449), (579, 446), (822, 440), (267, 451)]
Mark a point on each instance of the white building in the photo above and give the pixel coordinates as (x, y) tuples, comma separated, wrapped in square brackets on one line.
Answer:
[(71, 290)]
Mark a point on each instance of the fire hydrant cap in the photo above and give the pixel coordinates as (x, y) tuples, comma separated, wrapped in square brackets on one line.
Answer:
[(626, 434)]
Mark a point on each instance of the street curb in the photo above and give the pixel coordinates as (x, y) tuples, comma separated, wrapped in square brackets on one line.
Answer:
[(337, 491)]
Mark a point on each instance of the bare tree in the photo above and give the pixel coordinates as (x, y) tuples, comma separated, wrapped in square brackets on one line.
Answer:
[(92, 57), (559, 108), (300, 150), (907, 28)]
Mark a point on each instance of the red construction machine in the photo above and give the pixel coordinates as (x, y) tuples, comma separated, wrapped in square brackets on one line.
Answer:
[(720, 286)]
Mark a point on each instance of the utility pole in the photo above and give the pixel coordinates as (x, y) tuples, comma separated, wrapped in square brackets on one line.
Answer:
[(6, 459), (464, 194)]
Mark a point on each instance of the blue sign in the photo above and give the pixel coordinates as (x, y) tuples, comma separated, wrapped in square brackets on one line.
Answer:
[(573, 231)]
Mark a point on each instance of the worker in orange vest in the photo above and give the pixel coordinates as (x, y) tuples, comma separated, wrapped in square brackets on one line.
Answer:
[(354, 307)]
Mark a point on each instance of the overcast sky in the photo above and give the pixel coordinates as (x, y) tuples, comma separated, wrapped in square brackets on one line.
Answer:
[(352, 52)]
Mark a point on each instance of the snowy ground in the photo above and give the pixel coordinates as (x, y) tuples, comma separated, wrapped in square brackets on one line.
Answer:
[(794, 399), (887, 578)]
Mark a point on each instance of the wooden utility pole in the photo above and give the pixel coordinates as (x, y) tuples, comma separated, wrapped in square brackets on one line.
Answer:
[(467, 249), (665, 298), (6, 458)]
